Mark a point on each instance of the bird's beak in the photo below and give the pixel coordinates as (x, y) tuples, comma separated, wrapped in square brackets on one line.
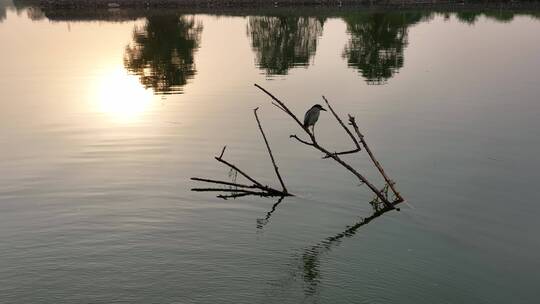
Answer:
[(322, 109)]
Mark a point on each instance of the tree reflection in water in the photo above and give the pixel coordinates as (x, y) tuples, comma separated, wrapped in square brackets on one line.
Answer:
[(162, 52), (468, 17), (281, 43), (376, 43), (4, 5)]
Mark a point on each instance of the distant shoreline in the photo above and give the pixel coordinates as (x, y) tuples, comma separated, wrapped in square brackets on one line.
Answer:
[(291, 4)]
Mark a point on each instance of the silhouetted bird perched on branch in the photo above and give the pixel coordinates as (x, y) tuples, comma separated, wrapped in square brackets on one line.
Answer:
[(312, 115)]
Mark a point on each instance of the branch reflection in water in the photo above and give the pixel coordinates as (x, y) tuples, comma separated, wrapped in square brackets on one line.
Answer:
[(311, 255), (261, 222), (307, 262)]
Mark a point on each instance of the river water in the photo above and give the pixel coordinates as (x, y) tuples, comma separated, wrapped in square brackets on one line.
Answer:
[(105, 116)]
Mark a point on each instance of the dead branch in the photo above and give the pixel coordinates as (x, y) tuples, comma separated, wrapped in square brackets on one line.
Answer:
[(278, 106), (300, 140), (237, 195), (221, 160), (220, 189), (284, 108), (390, 182), (222, 151), (270, 152), (354, 140), (223, 182), (316, 145), (240, 190)]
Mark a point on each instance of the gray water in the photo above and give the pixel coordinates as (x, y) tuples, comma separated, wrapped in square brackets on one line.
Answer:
[(106, 115)]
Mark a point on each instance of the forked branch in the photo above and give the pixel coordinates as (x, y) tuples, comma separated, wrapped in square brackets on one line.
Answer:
[(335, 156), (239, 190)]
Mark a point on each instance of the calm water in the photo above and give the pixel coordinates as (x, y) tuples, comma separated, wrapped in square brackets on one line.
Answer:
[(106, 115)]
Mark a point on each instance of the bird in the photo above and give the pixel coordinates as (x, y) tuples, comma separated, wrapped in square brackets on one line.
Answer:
[(312, 115)]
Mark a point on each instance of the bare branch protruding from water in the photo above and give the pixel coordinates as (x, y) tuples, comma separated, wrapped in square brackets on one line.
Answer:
[(238, 189), (389, 182), (284, 189), (316, 145)]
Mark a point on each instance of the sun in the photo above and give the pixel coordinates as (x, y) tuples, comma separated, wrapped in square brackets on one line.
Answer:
[(121, 96)]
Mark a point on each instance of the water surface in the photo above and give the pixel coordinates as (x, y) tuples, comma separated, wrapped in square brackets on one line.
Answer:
[(105, 115)]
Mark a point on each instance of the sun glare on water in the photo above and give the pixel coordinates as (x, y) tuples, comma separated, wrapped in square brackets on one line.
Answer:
[(121, 96)]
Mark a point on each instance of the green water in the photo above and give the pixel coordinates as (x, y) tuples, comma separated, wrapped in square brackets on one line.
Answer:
[(105, 115)]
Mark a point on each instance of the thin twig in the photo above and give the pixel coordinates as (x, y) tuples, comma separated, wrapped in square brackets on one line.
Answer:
[(265, 192), (222, 151), (239, 171), (237, 195), (220, 189), (284, 108), (224, 183), (270, 152), (358, 148), (343, 153), (301, 140), (279, 107)]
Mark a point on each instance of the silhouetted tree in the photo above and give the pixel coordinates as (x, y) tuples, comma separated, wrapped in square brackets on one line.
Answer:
[(4, 5), (501, 16), (281, 43), (376, 43), (162, 50), (468, 17), (471, 17)]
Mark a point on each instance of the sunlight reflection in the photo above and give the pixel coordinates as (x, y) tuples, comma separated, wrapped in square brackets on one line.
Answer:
[(121, 96)]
